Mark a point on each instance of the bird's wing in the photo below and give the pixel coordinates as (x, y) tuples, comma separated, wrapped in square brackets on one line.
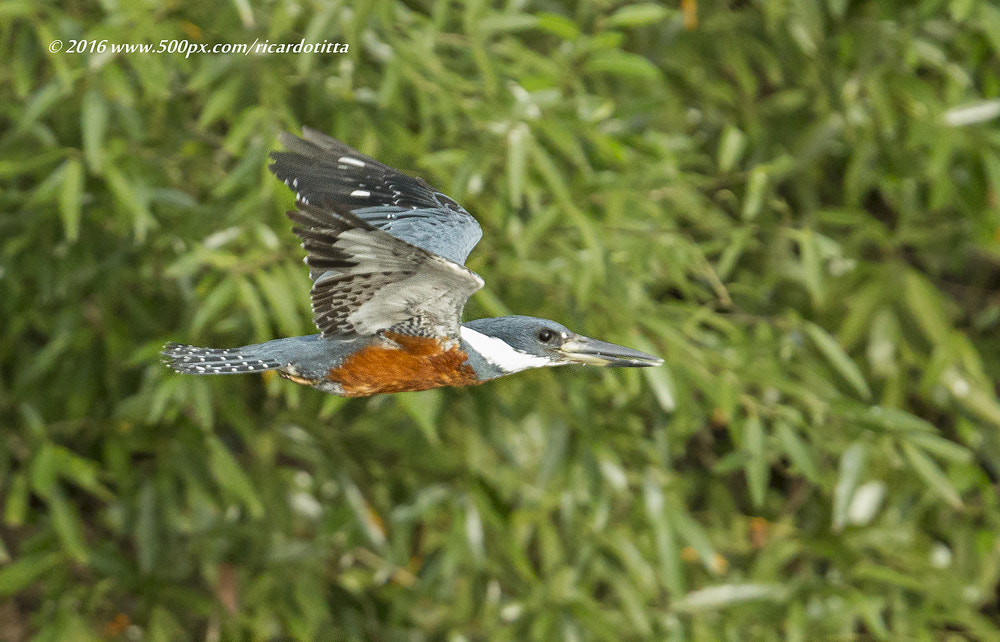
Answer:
[(325, 171), (366, 280)]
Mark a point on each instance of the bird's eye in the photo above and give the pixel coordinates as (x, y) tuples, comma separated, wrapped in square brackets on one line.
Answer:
[(545, 335)]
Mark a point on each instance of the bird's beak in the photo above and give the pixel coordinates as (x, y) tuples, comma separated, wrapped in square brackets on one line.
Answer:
[(601, 353)]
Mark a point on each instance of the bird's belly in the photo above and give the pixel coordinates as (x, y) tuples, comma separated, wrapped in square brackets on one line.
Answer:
[(418, 363)]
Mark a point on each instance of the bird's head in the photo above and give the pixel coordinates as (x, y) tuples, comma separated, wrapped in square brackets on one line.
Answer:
[(515, 343)]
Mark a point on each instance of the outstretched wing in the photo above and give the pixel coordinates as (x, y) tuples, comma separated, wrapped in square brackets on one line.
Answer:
[(323, 170), (366, 280)]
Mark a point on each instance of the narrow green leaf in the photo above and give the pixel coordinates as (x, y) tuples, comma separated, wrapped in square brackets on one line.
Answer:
[(133, 198), (557, 25), (660, 383), (734, 249), (812, 266), (623, 64), (874, 572), (219, 103), (67, 525), (25, 570), (231, 477), (22, 163), (851, 464), (889, 419), (250, 300), (925, 305), (932, 474), (800, 455), (147, 528), (424, 408), (211, 307), (663, 536), (518, 141), (278, 295), (94, 122), (972, 397), (941, 447), (715, 598), (637, 15), (839, 359), (731, 148), (16, 502), (496, 23), (81, 471), (45, 470), (71, 198), (164, 627), (837, 7), (758, 469), (754, 194), (692, 532)]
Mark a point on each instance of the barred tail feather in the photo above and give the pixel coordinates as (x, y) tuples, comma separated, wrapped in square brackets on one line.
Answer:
[(195, 360)]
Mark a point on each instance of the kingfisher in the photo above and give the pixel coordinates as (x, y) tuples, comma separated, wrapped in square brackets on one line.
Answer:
[(386, 254)]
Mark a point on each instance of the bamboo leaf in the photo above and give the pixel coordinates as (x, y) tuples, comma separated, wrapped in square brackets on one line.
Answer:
[(94, 123), (800, 455), (622, 64), (71, 198), (758, 468), (933, 476), (926, 308), (839, 359), (24, 571), (637, 15), (232, 479), (67, 524), (851, 465)]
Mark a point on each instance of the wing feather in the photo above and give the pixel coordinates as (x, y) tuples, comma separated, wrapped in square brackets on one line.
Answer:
[(321, 169), (367, 281)]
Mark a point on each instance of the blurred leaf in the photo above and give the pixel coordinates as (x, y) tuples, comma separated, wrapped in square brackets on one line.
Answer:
[(93, 128), (147, 529), (620, 63), (812, 268), (636, 15), (839, 359), (424, 407), (926, 308), (71, 198), (666, 545), (45, 470), (16, 502), (211, 306), (518, 141), (755, 194), (695, 536), (851, 465), (932, 474), (758, 467), (731, 148), (279, 298), (231, 478), (67, 525), (24, 571), (716, 597), (557, 25), (797, 451)]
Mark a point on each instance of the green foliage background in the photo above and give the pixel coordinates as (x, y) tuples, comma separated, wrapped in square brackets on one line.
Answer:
[(794, 202)]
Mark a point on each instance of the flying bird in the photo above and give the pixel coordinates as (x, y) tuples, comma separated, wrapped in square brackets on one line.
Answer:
[(386, 254)]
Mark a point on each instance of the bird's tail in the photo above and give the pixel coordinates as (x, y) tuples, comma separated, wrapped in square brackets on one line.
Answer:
[(195, 360)]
